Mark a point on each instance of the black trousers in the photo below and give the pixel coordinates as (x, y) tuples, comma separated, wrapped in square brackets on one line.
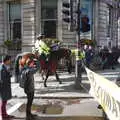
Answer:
[(30, 97)]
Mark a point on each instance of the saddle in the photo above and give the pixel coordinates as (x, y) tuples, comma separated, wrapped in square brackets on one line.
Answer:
[(55, 47)]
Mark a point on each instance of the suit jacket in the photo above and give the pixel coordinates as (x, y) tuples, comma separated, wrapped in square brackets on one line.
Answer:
[(27, 78), (5, 83)]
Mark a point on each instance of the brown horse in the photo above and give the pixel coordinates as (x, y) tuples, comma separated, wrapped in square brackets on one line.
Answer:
[(46, 68), (50, 67)]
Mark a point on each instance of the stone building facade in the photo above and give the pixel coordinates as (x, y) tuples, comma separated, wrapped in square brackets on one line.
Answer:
[(22, 20), (107, 23)]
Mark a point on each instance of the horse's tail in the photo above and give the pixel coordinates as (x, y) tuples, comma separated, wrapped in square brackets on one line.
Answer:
[(16, 68), (69, 61)]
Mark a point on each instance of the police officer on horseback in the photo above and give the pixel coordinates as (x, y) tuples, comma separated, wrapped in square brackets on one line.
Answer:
[(42, 48)]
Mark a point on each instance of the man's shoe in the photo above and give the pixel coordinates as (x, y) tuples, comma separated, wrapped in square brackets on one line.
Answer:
[(33, 115), (8, 116), (28, 118)]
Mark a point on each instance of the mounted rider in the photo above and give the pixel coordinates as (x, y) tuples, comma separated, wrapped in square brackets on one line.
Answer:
[(42, 48)]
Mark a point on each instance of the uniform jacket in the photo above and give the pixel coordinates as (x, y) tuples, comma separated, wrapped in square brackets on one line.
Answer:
[(5, 83), (78, 54), (42, 47)]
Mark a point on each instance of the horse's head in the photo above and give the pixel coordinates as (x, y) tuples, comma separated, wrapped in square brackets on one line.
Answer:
[(26, 59), (20, 61)]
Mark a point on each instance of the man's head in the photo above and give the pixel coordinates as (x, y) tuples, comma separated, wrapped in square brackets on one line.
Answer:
[(40, 36), (7, 59)]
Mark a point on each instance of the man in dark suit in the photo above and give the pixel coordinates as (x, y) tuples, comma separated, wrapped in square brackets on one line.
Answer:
[(27, 70), (5, 86)]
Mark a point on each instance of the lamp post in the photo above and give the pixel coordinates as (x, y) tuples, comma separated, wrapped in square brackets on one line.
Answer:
[(78, 61)]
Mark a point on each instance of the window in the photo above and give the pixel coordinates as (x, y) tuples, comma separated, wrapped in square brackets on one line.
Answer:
[(49, 17), (14, 20), (109, 15)]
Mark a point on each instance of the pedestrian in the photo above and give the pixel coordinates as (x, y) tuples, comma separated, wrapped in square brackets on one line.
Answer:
[(28, 69), (5, 86), (89, 54), (104, 53), (79, 57)]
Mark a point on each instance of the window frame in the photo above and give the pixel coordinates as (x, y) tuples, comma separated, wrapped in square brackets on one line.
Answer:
[(54, 19), (10, 23)]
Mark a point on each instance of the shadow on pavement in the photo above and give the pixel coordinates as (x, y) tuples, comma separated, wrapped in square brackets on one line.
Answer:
[(66, 86), (61, 118), (69, 118)]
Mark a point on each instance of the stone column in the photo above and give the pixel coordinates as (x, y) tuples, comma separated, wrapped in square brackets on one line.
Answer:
[(95, 21), (28, 24), (38, 16), (3, 29), (102, 24), (2, 21), (59, 27)]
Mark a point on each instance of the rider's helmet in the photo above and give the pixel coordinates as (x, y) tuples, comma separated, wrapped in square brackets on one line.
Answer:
[(39, 36)]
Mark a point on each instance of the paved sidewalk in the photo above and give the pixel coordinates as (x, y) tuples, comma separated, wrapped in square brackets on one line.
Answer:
[(64, 90), (83, 103), (54, 89)]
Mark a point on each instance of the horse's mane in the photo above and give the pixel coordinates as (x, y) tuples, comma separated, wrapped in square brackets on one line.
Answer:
[(16, 68), (62, 53)]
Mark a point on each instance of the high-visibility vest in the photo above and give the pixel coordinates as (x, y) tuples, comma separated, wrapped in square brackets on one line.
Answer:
[(42, 47), (78, 54)]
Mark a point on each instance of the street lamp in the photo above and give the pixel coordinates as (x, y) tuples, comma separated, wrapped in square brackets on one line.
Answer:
[(68, 12), (78, 66)]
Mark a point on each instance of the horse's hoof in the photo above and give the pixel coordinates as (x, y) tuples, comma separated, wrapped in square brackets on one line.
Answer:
[(45, 85), (60, 82)]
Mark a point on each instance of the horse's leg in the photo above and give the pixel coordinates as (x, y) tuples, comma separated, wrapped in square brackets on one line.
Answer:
[(57, 77), (42, 74), (45, 80), (69, 66)]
